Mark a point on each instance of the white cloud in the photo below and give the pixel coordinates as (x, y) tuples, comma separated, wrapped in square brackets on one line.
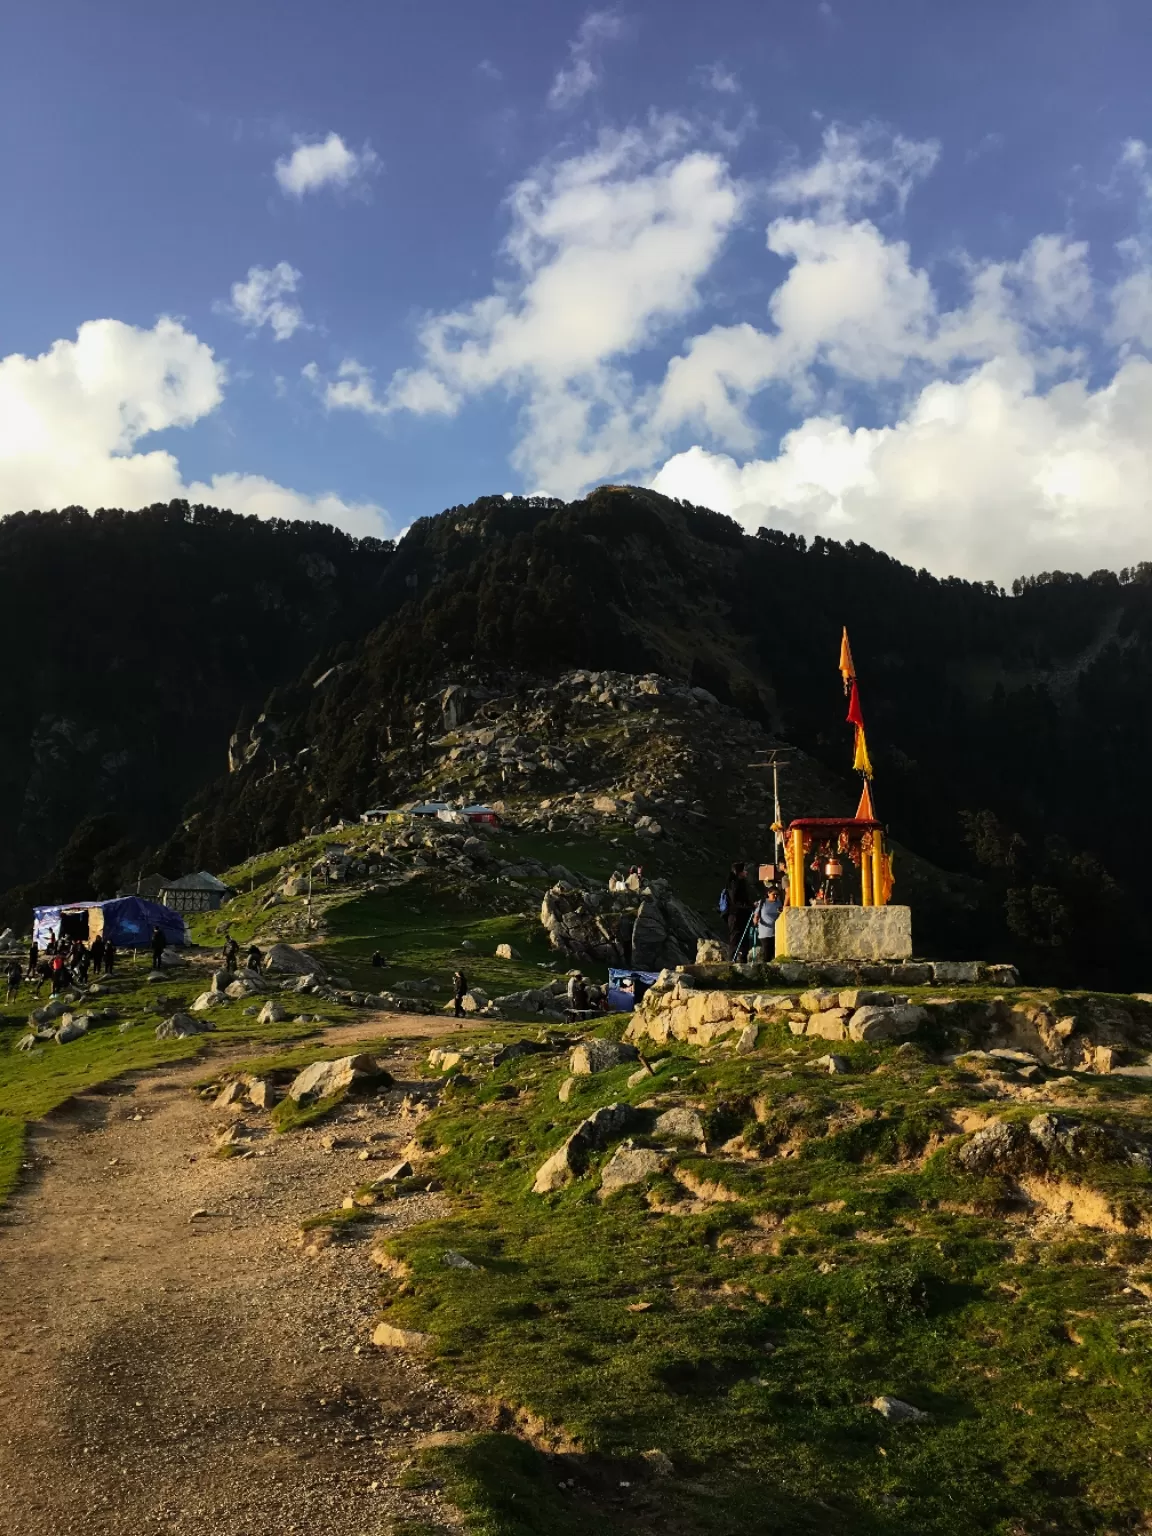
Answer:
[(717, 78), (988, 476), (585, 71), (264, 298), (607, 249), (72, 420), (856, 168), (323, 163)]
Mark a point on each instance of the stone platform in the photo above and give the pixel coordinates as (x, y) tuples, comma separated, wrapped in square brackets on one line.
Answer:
[(844, 933)]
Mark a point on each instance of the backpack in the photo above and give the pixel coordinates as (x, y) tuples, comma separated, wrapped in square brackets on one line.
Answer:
[(722, 904)]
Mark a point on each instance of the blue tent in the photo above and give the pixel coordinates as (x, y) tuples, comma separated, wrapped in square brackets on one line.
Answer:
[(622, 999), (126, 921)]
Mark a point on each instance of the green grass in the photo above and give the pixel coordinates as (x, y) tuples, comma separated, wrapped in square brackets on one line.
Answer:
[(34, 1083), (856, 1267)]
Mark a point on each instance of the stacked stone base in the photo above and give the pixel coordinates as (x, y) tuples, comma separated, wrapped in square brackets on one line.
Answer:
[(853, 973)]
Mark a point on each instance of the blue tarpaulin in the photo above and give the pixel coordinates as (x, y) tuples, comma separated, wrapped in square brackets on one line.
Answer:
[(623, 999), (126, 921)]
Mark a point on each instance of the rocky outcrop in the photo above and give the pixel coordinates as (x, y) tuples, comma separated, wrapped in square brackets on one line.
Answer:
[(283, 960), (649, 928), (181, 1026), (591, 1135), (599, 1056)]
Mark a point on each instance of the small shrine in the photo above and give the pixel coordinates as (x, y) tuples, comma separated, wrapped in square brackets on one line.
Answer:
[(839, 871)]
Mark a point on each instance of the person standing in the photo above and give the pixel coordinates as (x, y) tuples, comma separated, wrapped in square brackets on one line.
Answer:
[(231, 954), (33, 959), (768, 909), (109, 956), (459, 991), (15, 974), (96, 954), (255, 958), (159, 944), (739, 912)]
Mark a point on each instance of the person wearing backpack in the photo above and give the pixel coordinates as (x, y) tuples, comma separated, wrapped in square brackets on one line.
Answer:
[(736, 904)]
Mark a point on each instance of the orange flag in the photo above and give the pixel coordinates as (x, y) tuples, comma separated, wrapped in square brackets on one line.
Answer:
[(847, 665)]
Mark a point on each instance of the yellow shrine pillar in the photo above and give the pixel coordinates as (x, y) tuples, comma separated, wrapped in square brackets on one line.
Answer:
[(877, 862), (796, 867), (866, 877)]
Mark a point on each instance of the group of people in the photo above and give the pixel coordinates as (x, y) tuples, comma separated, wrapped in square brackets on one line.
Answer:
[(62, 964), (751, 916), (253, 960)]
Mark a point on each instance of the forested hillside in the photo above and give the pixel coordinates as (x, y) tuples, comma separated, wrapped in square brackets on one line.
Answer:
[(1009, 731), (132, 642)]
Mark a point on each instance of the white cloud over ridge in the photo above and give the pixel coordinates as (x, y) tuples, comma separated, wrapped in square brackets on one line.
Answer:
[(584, 70), (1005, 442), (72, 421), (327, 162), (265, 297)]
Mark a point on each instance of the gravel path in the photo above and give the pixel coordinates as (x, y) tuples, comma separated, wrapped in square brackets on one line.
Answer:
[(170, 1362)]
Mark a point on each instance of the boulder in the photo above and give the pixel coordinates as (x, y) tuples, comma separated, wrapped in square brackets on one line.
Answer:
[(157, 976), (886, 1023), (680, 1125), (1001, 975), (506, 952), (240, 989), (272, 1013), (71, 1029), (263, 1093), (181, 1026), (592, 1134), (711, 952), (401, 1170), (897, 1411), (820, 1000), (49, 1012), (324, 1078), (220, 979), (599, 1056), (231, 1093), (832, 1025), (385, 1336), (283, 960), (746, 1044), (564, 1092), (629, 1164), (865, 997), (516, 1048), (1000, 1148), (208, 1000)]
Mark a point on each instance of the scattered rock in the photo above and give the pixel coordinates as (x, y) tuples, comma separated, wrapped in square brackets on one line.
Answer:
[(746, 1044), (272, 1013), (385, 1336), (830, 1025), (680, 1125), (592, 1134), (629, 1164), (181, 1026), (402, 1170), (711, 952), (897, 1411), (263, 1094), (324, 1078), (506, 952), (456, 1260), (71, 1029), (566, 1087), (836, 1065), (886, 1023), (865, 997), (231, 1093), (655, 1460), (206, 1000), (600, 1056), (282, 959)]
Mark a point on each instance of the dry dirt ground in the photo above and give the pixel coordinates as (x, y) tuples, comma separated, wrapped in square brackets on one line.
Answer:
[(169, 1362)]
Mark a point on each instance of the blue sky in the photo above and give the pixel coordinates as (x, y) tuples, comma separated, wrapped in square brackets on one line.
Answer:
[(879, 270)]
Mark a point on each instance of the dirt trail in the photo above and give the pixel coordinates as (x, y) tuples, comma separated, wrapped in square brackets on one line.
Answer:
[(167, 1371)]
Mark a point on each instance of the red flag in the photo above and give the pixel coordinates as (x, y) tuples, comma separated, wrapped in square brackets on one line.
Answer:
[(855, 713)]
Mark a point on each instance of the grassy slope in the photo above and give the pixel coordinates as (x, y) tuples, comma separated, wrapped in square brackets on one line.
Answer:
[(855, 1268), (36, 1082)]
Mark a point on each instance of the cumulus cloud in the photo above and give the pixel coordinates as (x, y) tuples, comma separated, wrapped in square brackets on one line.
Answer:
[(585, 70), (320, 163), (989, 476), (72, 421), (717, 78), (265, 297), (606, 249)]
